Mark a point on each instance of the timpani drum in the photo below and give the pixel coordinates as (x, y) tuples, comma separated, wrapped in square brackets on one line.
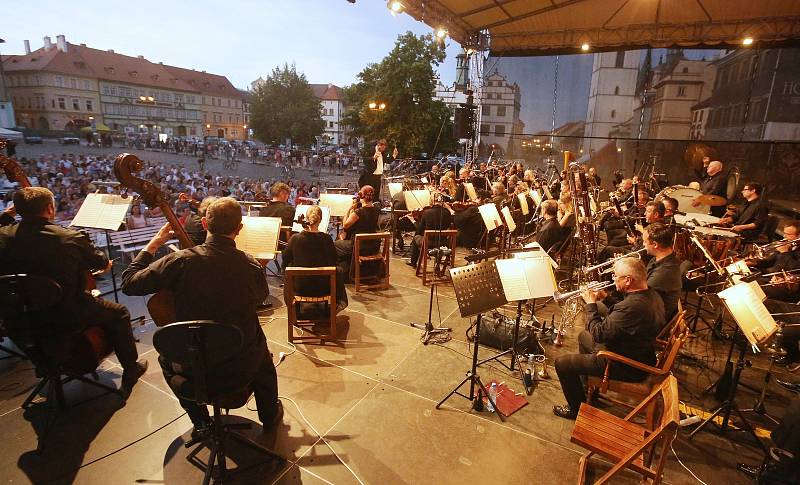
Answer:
[(718, 242), (684, 195)]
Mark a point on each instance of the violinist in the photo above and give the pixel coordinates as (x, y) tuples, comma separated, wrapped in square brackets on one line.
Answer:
[(447, 184), (479, 178), (434, 218), (359, 218), (39, 246), (279, 205), (499, 195), (470, 223)]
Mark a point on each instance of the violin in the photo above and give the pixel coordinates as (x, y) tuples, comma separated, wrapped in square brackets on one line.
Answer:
[(161, 305)]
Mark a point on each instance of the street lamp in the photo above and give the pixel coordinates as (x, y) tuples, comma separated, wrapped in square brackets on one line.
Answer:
[(244, 127), (376, 105), (208, 129)]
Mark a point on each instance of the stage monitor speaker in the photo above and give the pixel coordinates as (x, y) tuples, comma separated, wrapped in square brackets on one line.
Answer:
[(463, 124), (497, 332)]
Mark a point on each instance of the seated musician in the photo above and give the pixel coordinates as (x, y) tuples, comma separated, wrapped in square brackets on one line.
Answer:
[(38, 246), (461, 193), (629, 329), (434, 218), (520, 219), (663, 269), (714, 184), (749, 219), (194, 225), (479, 179), (592, 178), (279, 205), (625, 192), (447, 184), (566, 212), (785, 258), (357, 220), (404, 222), (214, 281), (313, 249), (499, 195), (670, 209), (550, 235), (469, 223)]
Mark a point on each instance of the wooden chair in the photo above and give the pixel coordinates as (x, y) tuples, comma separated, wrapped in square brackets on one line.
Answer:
[(292, 301), (663, 368), (381, 275), (666, 333), (626, 444), (428, 240)]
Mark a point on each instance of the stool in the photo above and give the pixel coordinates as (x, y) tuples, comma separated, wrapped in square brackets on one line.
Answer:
[(429, 240)]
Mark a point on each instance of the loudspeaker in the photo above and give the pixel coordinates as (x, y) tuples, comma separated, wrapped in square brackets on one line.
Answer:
[(497, 333), (463, 123)]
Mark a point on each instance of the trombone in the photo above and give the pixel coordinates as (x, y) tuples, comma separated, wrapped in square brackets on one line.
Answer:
[(610, 262), (593, 286)]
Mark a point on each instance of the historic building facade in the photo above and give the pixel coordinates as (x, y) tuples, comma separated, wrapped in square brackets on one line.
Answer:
[(500, 124)]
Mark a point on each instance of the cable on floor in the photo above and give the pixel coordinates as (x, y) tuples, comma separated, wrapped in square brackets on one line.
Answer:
[(684, 466)]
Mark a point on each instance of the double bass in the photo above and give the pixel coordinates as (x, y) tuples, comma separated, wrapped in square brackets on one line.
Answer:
[(161, 305)]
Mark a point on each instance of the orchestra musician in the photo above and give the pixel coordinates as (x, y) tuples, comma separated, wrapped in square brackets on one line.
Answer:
[(461, 193), (592, 178), (447, 184), (194, 225), (359, 218), (629, 329), (434, 218), (214, 281), (566, 212), (479, 178), (38, 246), (372, 173), (714, 184), (279, 205), (670, 209), (749, 219), (499, 195), (550, 235), (469, 223), (313, 249)]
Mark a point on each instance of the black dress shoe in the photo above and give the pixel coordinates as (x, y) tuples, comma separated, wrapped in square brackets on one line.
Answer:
[(792, 386), (131, 375), (564, 412)]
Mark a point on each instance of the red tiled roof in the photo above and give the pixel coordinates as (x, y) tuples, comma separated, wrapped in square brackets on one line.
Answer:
[(327, 92), (214, 84)]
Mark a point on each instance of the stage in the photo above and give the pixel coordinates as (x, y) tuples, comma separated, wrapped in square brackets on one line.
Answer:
[(371, 397)]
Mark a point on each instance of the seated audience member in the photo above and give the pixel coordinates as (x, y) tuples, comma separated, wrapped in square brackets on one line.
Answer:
[(313, 249), (629, 329), (136, 219)]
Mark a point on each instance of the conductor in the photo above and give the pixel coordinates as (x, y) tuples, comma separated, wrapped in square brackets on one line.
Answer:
[(372, 172)]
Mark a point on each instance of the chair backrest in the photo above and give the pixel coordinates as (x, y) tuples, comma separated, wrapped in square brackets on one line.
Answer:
[(199, 345), (436, 237), (22, 293), (671, 414), (295, 272), (678, 336), (360, 239)]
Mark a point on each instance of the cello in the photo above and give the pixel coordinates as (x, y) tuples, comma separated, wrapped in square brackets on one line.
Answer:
[(161, 305)]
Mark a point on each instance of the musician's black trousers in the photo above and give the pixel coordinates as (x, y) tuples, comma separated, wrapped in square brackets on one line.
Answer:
[(572, 367), (264, 386), (115, 320), (791, 334)]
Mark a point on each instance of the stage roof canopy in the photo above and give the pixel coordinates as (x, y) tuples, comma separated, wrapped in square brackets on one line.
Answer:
[(547, 27)]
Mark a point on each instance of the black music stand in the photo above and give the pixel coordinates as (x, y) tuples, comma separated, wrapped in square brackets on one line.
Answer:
[(478, 289)]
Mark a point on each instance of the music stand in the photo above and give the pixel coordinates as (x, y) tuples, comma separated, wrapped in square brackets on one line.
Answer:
[(755, 323), (478, 289)]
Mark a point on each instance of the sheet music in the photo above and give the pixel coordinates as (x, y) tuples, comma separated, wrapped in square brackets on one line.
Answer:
[(537, 197), (395, 188), (470, 190), (538, 252), (417, 199), (301, 210), (491, 218), (337, 203), (102, 211), (745, 304), (528, 278), (424, 180), (509, 220), (523, 203), (259, 236), (512, 274)]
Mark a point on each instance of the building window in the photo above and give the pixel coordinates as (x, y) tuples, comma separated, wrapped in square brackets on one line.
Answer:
[(62, 103), (616, 90), (501, 111), (700, 118), (685, 70), (59, 81), (88, 105), (499, 130), (76, 105), (484, 129), (486, 110), (73, 83), (330, 124), (620, 60), (613, 113), (87, 85), (682, 91)]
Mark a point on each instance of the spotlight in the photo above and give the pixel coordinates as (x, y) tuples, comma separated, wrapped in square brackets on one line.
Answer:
[(441, 33), (747, 41), (373, 105), (584, 47), (394, 6)]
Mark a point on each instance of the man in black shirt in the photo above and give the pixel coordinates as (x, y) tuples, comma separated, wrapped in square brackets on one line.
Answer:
[(434, 218), (550, 235), (194, 226), (663, 270), (38, 246), (749, 219), (372, 173), (715, 184), (214, 281), (279, 205), (630, 330)]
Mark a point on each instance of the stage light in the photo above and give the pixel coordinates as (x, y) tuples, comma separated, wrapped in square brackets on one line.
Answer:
[(382, 106), (747, 41), (395, 7), (441, 33), (584, 47), (619, 149), (373, 105)]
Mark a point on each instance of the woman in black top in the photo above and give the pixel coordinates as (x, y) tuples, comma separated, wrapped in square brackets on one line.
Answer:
[(313, 249), (357, 220)]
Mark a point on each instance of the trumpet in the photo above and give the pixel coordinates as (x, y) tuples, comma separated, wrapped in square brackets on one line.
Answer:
[(610, 262), (593, 286)]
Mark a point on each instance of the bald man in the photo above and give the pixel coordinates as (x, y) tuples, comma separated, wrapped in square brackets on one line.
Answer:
[(715, 184)]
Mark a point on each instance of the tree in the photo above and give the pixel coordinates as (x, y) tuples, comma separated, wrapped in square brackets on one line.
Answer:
[(405, 81), (284, 106)]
